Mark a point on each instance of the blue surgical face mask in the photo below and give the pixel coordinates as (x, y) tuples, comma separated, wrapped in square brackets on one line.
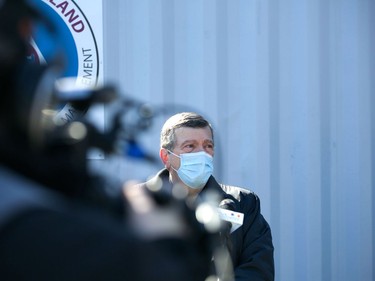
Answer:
[(195, 168)]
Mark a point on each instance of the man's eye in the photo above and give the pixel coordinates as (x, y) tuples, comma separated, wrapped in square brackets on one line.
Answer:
[(188, 148)]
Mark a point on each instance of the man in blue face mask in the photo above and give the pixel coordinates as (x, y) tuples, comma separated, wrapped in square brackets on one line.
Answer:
[(187, 151)]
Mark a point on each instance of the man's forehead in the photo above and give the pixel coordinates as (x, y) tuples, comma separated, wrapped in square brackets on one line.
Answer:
[(187, 133)]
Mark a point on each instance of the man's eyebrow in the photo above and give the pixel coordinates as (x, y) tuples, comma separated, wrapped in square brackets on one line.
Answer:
[(188, 141), (195, 141)]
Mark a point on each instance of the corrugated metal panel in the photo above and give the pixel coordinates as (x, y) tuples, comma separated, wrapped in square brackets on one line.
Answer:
[(289, 86)]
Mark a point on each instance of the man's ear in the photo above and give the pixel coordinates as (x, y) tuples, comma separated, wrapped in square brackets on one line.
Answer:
[(163, 153)]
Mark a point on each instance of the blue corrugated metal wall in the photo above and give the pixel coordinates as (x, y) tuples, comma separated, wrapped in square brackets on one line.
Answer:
[(289, 87)]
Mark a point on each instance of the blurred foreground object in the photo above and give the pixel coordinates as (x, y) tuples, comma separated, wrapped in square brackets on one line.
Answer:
[(57, 220)]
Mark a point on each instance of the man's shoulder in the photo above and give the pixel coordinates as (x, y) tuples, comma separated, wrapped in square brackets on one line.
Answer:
[(158, 181), (238, 192)]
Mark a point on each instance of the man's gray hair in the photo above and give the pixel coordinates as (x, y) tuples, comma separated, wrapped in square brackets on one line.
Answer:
[(184, 119)]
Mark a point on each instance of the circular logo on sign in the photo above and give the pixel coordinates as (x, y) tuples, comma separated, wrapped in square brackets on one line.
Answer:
[(72, 40)]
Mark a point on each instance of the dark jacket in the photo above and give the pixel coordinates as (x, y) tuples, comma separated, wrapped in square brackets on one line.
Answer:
[(251, 244)]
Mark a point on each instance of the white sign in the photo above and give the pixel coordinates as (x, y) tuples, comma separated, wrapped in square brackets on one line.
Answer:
[(78, 41), (233, 217)]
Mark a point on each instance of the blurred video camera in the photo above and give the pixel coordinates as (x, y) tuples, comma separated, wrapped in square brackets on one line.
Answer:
[(48, 114), (153, 213)]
